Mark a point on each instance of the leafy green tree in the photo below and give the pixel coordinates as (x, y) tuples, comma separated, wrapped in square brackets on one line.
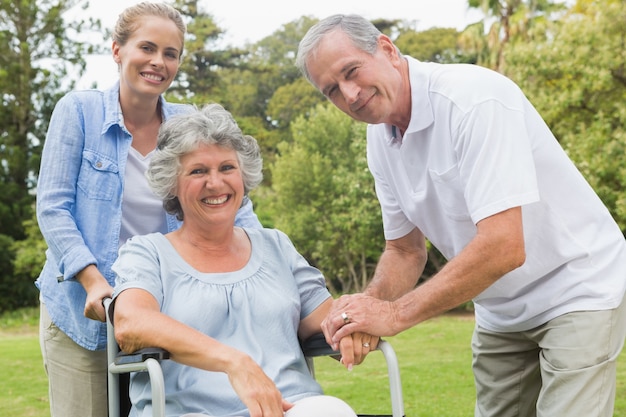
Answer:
[(474, 44), (432, 45), (37, 51), (291, 100), (199, 79), (324, 199), (510, 20), (7, 281), (577, 80), (28, 260), (267, 65), (267, 91), (37, 54)]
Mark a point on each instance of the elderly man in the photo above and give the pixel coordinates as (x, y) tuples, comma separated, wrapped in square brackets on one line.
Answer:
[(462, 158)]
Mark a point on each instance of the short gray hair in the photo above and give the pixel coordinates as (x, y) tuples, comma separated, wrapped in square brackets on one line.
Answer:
[(184, 133), (363, 34)]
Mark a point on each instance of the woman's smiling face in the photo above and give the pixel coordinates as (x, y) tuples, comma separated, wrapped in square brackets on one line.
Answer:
[(210, 185), (150, 59)]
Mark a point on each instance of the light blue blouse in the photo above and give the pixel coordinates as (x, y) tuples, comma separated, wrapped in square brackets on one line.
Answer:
[(257, 310)]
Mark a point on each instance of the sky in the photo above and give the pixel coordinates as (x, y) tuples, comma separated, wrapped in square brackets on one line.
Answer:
[(248, 21)]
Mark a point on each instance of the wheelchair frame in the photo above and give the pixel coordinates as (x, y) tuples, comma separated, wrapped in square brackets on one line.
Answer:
[(148, 360)]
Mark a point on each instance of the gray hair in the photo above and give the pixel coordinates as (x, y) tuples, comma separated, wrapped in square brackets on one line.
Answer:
[(130, 20), (363, 34), (184, 133)]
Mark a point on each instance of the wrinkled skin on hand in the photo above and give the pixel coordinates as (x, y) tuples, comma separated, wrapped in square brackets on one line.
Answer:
[(366, 314)]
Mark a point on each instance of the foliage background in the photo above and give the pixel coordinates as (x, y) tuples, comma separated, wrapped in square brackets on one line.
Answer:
[(570, 61)]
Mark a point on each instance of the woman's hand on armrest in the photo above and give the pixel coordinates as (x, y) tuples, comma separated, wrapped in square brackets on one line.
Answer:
[(355, 347)]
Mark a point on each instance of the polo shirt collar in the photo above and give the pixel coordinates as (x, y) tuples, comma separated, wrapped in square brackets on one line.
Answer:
[(421, 109)]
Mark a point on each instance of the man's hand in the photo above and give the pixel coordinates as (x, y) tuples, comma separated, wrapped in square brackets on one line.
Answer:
[(360, 313)]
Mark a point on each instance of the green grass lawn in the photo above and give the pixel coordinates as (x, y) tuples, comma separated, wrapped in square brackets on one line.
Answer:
[(434, 362), (23, 382)]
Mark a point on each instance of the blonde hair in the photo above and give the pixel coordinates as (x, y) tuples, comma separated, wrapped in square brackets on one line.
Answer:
[(129, 20)]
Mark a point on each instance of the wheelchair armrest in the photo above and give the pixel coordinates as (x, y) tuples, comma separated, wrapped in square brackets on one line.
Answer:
[(316, 346), (141, 355), (144, 360)]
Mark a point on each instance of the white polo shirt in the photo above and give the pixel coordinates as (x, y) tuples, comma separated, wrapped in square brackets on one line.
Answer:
[(475, 146)]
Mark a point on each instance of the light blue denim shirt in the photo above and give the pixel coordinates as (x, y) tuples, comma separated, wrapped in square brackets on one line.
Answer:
[(79, 203)]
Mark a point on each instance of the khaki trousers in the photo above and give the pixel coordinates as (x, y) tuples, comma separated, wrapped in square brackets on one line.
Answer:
[(77, 377), (566, 367)]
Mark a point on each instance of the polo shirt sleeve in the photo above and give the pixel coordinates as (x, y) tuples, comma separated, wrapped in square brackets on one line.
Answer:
[(494, 151)]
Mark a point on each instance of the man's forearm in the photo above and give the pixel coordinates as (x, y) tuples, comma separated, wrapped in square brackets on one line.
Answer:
[(396, 274)]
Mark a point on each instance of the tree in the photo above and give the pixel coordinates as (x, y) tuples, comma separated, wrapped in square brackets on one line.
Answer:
[(37, 53), (432, 45), (198, 79), (324, 199), (577, 80), (28, 257), (268, 67), (292, 100), (511, 20), (267, 91)]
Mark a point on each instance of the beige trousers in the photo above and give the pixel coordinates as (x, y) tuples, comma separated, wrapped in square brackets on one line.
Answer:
[(77, 377), (566, 367)]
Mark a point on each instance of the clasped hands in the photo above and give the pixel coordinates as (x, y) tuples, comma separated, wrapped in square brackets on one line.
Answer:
[(361, 317)]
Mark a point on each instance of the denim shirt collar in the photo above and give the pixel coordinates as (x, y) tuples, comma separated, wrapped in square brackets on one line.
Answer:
[(113, 109)]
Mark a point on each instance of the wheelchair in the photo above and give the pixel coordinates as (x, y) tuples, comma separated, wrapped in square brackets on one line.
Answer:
[(148, 360)]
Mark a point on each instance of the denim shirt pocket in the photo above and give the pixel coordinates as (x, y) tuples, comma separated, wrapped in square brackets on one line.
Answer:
[(98, 177), (450, 192)]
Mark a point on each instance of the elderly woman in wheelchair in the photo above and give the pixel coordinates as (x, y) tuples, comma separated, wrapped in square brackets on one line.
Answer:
[(230, 304)]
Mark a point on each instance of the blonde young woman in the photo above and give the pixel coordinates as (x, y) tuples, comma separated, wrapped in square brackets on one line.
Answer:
[(92, 196)]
